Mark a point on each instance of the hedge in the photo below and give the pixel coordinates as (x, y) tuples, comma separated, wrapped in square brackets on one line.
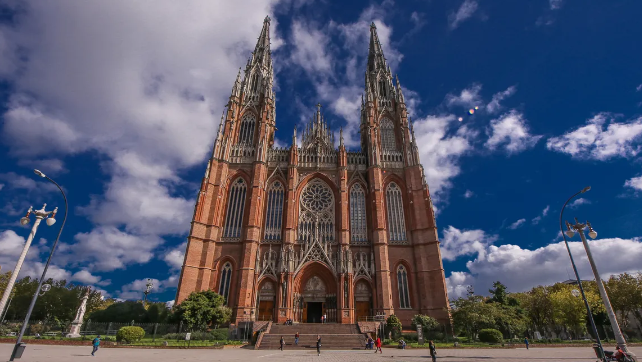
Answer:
[(491, 336), (130, 334)]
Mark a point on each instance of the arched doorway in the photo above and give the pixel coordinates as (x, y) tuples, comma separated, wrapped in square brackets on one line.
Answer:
[(315, 294), (362, 300), (267, 297)]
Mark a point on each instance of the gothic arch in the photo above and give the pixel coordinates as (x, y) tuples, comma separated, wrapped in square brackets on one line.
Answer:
[(408, 217), (335, 192), (410, 284), (315, 268)]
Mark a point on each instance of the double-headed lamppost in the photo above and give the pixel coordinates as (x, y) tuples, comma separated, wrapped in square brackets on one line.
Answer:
[(40, 215), (19, 346), (579, 228), (577, 276)]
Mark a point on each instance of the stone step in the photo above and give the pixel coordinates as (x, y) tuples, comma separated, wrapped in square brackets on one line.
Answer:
[(333, 336), (311, 328)]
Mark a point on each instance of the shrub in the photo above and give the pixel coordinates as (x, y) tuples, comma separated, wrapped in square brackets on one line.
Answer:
[(36, 328), (409, 337), (219, 334), (393, 324), (130, 334), (490, 336)]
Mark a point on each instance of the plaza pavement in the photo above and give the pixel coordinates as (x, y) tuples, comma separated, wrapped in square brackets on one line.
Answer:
[(44, 353)]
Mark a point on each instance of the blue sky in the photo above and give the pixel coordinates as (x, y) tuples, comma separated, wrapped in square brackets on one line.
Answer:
[(119, 103)]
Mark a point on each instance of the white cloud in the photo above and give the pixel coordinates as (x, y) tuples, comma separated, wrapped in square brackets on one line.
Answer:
[(310, 51), (517, 224), (140, 87), (135, 289), (170, 303), (511, 132), (594, 142), (16, 181), (494, 106), (635, 183), (555, 4), (86, 277), (521, 269), (106, 248), (468, 194), (174, 257), (458, 283), (465, 11), (440, 147), (11, 245), (456, 242), (539, 218), (638, 88), (469, 97), (578, 202)]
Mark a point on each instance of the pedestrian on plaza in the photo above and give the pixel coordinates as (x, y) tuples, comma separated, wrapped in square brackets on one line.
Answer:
[(433, 351), (318, 345), (526, 342), (325, 318), (378, 345), (296, 338), (95, 343), (282, 343)]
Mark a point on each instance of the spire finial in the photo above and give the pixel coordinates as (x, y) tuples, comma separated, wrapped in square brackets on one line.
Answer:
[(267, 19), (373, 25), (341, 137), (318, 107)]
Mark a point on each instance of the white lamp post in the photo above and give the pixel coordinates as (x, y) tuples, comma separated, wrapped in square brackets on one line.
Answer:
[(40, 214), (579, 227)]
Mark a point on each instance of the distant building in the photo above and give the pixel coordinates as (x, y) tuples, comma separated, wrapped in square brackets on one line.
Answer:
[(312, 229)]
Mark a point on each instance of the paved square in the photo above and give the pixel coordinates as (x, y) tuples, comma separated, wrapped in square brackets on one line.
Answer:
[(42, 353)]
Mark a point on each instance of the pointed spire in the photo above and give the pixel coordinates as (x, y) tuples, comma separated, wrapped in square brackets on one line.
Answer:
[(294, 138), (262, 49), (375, 53), (341, 137), (399, 92), (237, 84)]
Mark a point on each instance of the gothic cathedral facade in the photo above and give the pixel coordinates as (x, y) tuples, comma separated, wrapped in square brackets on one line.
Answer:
[(312, 229)]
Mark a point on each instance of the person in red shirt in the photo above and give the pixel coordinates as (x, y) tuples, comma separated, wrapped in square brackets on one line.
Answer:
[(378, 345)]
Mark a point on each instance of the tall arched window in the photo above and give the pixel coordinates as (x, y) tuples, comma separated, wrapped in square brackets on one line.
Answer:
[(316, 218), (235, 208), (394, 208), (274, 212), (246, 133), (402, 285), (226, 277), (358, 231), (388, 135)]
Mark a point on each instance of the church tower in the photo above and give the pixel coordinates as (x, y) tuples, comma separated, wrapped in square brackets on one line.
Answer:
[(315, 229)]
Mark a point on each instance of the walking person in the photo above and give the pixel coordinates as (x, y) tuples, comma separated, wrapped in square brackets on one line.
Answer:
[(318, 345), (526, 342), (325, 318), (282, 343), (378, 345), (296, 339), (433, 351), (96, 344)]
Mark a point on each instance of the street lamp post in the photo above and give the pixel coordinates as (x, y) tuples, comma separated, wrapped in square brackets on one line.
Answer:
[(44, 271), (577, 275), (40, 215), (579, 228)]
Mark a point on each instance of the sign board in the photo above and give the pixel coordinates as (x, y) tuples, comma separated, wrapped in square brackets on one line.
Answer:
[(188, 336), (420, 335)]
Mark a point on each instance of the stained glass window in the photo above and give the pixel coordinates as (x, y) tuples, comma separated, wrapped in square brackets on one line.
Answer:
[(274, 212), (394, 208), (226, 277), (402, 284), (235, 208), (358, 231)]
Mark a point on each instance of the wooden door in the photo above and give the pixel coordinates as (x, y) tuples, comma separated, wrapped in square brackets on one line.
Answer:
[(266, 310), (305, 313), (362, 309)]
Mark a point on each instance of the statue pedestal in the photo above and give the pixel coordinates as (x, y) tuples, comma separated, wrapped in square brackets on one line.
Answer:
[(74, 331)]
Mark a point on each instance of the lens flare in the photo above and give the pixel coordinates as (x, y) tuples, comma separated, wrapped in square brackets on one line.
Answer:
[(471, 111)]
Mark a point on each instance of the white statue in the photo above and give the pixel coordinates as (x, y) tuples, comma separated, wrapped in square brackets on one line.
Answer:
[(74, 331)]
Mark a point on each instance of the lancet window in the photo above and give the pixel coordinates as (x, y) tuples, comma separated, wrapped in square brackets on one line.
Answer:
[(235, 208), (226, 277), (402, 284), (358, 230), (388, 135), (394, 208), (246, 133), (316, 214), (274, 212)]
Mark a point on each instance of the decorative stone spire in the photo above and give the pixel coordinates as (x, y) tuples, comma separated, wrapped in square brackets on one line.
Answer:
[(341, 137), (376, 60), (294, 138), (399, 92), (236, 89)]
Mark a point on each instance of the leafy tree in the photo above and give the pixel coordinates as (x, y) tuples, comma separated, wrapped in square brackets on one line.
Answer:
[(625, 293), (569, 311), (393, 324), (471, 314), (121, 312), (428, 323), (498, 293), (202, 309)]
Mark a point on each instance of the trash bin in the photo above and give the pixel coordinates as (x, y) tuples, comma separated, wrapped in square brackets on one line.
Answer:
[(19, 349)]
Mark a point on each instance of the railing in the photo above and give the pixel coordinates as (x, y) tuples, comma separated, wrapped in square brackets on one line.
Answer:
[(357, 158), (392, 159), (242, 154), (278, 155), (310, 158)]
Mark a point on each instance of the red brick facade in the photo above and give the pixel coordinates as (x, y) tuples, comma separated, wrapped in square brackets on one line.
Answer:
[(293, 275)]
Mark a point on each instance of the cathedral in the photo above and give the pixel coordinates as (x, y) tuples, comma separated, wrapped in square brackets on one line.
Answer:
[(313, 229)]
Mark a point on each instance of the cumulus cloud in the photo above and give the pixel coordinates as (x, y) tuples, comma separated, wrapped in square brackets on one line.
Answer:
[(468, 97), (634, 183), (456, 242), (134, 290), (517, 224), (11, 245), (602, 138), (441, 145), (511, 133), (579, 202), (494, 106), (521, 269), (86, 277), (174, 258), (465, 11)]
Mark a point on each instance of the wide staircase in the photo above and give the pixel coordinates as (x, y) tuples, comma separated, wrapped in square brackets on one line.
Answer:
[(333, 336)]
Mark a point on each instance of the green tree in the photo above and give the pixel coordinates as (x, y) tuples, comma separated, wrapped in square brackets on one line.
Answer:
[(498, 293), (202, 309), (393, 324), (625, 293), (428, 323), (569, 311), (121, 312), (472, 313)]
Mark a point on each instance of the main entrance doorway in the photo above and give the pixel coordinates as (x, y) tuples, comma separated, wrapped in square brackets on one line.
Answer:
[(315, 311)]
